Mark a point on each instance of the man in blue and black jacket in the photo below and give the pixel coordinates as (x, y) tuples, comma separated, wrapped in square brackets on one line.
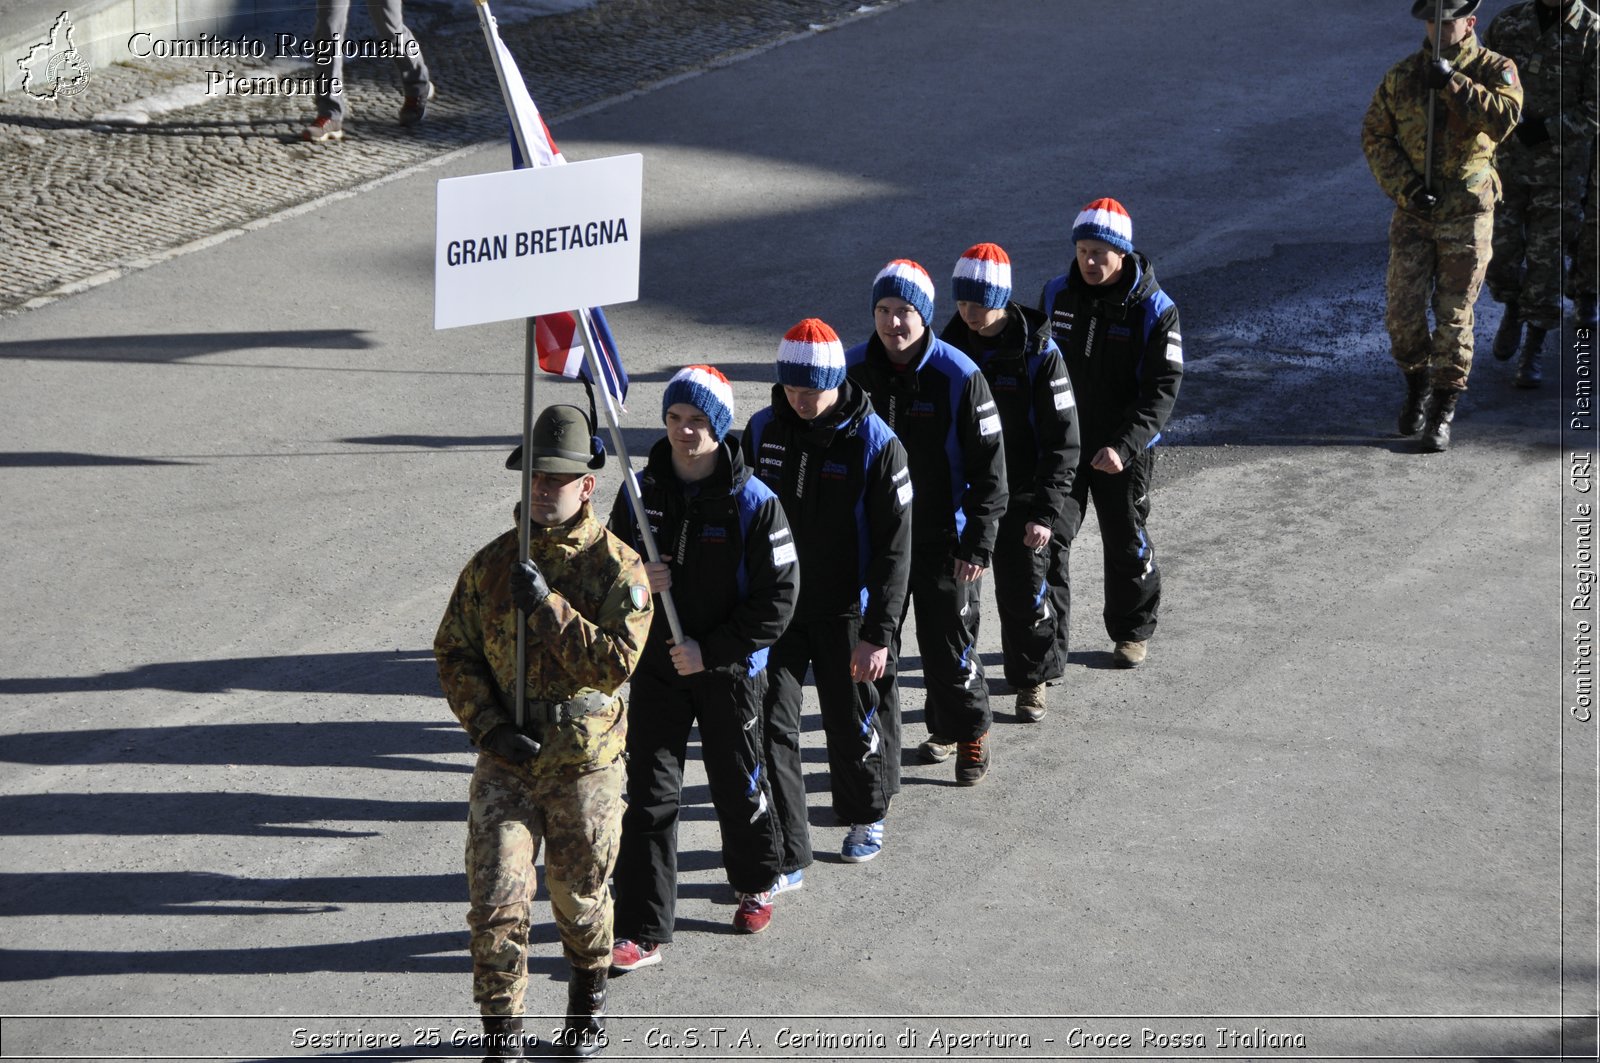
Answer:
[(938, 403), (724, 539), (1118, 332), (841, 475), (1011, 344)]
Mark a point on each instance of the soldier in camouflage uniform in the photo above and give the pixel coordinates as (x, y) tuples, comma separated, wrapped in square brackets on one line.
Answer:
[(1439, 237), (1542, 168), (1583, 280), (558, 777)]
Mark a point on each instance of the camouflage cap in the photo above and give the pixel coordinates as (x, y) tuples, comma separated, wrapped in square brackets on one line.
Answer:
[(562, 442), (1447, 9)]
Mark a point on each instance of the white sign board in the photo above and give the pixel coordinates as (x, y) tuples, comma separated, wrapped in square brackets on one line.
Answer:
[(524, 242)]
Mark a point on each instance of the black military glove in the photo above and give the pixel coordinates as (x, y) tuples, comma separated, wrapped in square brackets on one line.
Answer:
[(1417, 197), (1437, 73), (1532, 131), (528, 588), (508, 742)]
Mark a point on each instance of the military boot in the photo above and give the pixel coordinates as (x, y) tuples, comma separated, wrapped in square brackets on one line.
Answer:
[(1528, 375), (502, 1038), (1410, 422), (1586, 310), (585, 1030), (1441, 411), (1508, 335)]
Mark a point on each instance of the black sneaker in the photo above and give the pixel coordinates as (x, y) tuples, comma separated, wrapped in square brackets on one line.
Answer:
[(416, 106)]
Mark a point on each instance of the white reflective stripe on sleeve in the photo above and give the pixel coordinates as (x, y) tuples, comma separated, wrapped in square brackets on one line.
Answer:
[(904, 494), (1065, 401), (784, 555), (1175, 348), (989, 426)]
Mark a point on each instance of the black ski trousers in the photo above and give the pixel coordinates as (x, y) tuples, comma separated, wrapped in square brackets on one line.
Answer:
[(661, 713), (860, 722)]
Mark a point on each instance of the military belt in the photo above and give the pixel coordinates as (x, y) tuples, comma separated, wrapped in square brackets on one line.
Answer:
[(543, 713)]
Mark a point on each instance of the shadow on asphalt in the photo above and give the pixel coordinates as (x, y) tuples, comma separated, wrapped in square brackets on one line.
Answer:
[(52, 459), (205, 813), (358, 672), (178, 346), (410, 954), (202, 893)]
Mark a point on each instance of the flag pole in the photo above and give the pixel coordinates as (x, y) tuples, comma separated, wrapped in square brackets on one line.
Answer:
[(530, 347), (603, 378)]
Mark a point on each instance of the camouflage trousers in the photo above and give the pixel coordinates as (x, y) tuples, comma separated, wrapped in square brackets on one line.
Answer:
[(1442, 263), (1532, 227), (578, 816), (1584, 277)]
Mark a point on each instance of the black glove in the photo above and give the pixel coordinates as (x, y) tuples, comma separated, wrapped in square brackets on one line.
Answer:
[(508, 742), (1417, 197), (528, 588), (1437, 74), (1532, 132)]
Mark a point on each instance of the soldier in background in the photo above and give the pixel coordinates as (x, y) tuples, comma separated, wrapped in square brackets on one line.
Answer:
[(1542, 167), (1583, 280), (557, 777), (1011, 344), (1439, 236)]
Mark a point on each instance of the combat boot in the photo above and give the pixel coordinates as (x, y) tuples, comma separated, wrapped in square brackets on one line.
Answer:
[(1441, 411), (585, 1030), (1528, 375), (1508, 335), (1411, 414), (502, 1038), (1586, 310)]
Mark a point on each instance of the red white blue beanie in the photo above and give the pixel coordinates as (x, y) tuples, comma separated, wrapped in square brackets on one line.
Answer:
[(1105, 220), (811, 356), (904, 279), (707, 390), (983, 276)]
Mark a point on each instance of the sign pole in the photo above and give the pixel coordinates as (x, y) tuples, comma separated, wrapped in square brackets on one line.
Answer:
[(1433, 100), (524, 519), (531, 360), (590, 347)]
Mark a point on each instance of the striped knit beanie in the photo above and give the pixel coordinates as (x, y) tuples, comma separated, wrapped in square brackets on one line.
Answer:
[(983, 276), (904, 279), (811, 356), (1105, 220), (707, 390)]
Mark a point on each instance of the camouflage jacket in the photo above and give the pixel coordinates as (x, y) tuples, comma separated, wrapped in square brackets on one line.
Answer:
[(1474, 113), (587, 636), (1557, 68)]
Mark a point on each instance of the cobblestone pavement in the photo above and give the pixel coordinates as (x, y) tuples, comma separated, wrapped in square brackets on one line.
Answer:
[(84, 198)]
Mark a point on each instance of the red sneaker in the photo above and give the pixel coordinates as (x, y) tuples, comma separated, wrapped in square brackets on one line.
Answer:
[(322, 130), (629, 955), (755, 912)]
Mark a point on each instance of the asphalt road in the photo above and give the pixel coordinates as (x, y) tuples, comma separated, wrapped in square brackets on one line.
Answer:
[(1344, 802)]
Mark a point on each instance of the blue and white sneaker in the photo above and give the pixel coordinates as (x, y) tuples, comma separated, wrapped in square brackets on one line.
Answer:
[(789, 880), (863, 842)]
